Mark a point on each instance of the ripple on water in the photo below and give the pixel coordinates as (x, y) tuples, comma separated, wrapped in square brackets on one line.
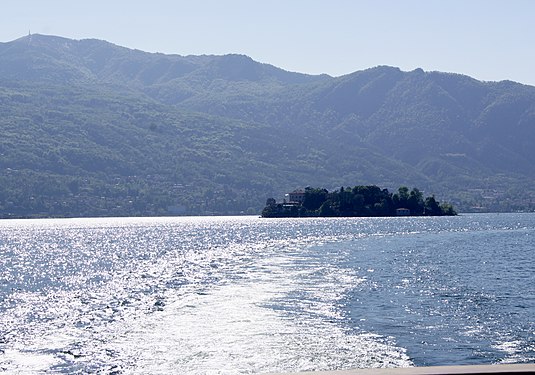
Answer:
[(242, 295)]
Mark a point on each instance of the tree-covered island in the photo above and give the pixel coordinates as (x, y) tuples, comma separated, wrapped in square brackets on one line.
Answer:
[(357, 201)]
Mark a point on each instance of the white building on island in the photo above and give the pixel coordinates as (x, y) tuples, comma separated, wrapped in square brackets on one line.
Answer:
[(295, 197)]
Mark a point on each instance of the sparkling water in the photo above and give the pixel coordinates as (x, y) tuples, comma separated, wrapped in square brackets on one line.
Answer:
[(231, 295)]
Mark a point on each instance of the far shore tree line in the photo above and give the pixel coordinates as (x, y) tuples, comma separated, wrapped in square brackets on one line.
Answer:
[(358, 201)]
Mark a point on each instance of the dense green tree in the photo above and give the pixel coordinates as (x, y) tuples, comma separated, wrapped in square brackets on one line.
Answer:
[(447, 209), (400, 200), (314, 198), (415, 202), (358, 204), (326, 209), (431, 206)]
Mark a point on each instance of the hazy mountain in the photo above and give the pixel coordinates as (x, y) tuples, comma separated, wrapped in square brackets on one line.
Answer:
[(91, 128)]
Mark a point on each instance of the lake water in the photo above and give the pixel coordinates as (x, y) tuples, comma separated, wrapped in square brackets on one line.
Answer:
[(229, 295)]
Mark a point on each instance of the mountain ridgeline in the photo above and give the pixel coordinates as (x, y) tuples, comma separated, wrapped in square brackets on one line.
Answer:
[(93, 129)]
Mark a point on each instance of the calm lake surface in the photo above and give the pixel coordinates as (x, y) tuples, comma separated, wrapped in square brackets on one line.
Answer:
[(229, 295)]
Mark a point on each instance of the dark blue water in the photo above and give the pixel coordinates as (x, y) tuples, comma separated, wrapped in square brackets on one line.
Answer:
[(248, 295), (463, 297)]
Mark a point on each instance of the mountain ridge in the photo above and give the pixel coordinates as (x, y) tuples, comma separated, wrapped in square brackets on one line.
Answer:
[(223, 133)]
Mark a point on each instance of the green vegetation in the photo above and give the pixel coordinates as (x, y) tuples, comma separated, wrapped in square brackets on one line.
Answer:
[(92, 129), (358, 201), (122, 156)]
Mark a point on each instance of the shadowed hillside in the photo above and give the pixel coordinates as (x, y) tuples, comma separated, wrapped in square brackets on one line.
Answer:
[(92, 129)]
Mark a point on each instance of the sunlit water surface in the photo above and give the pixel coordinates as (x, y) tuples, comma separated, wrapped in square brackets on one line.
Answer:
[(235, 295)]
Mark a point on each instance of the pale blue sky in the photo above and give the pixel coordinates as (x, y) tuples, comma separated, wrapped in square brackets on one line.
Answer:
[(487, 39)]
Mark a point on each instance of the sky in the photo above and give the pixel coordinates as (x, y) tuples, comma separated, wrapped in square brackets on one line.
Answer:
[(490, 40)]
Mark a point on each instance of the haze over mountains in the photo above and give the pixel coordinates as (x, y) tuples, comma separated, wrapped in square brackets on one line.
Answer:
[(90, 129)]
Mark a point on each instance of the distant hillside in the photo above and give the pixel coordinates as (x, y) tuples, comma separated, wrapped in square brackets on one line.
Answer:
[(93, 129)]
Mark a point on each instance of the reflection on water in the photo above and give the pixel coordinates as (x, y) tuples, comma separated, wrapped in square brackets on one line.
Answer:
[(248, 295)]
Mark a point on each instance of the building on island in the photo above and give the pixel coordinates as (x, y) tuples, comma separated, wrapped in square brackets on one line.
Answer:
[(295, 197)]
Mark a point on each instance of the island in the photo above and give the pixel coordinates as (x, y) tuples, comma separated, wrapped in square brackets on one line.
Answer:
[(358, 201)]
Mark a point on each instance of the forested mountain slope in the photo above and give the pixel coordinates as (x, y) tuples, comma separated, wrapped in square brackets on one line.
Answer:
[(90, 129)]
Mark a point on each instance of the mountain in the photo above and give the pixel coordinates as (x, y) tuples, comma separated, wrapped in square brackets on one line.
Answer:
[(94, 129)]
